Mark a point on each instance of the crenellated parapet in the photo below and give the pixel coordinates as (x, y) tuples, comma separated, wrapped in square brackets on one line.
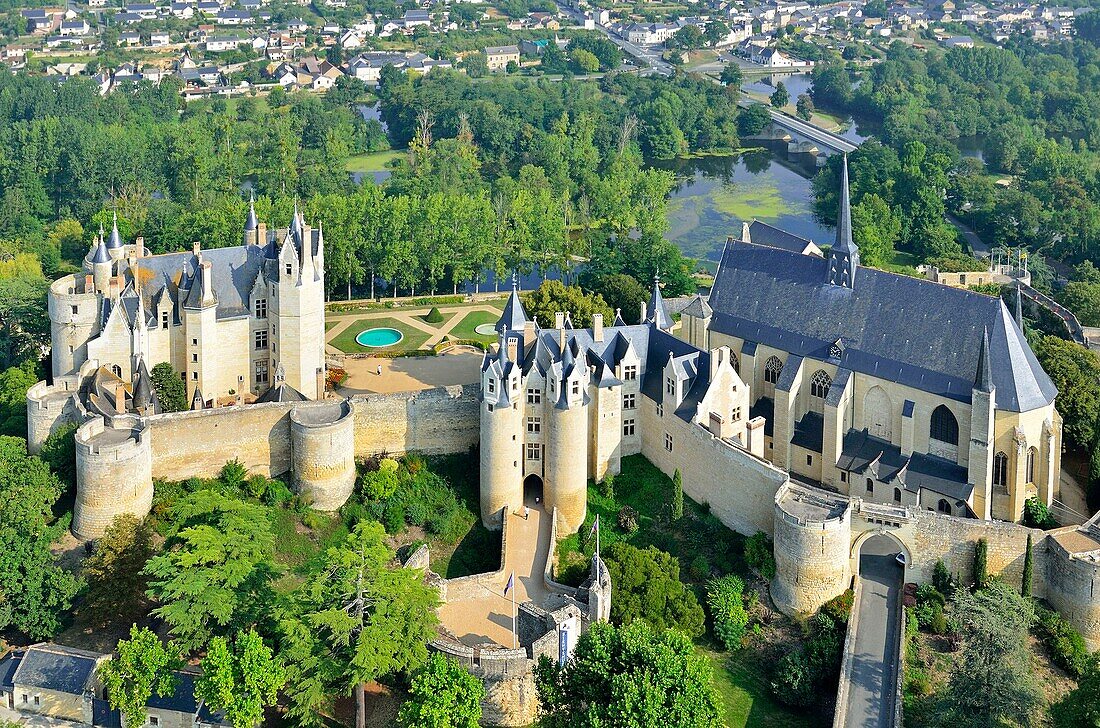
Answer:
[(114, 469), (813, 530)]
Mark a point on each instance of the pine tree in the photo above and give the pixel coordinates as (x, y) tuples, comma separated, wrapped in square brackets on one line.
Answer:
[(677, 496), (1025, 583), (981, 564)]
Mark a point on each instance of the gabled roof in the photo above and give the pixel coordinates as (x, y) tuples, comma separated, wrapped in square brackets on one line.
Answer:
[(765, 234), (914, 332), (57, 668)]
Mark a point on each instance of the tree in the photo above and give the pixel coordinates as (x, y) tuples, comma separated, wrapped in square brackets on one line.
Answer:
[(59, 452), (648, 588), (732, 76), (1075, 371), (622, 293), (688, 38), (804, 107), (992, 683), (14, 383), (875, 229), (171, 393), (240, 681), (716, 31), (636, 675), (555, 297), (780, 97), (585, 61), (476, 64), (752, 120), (1025, 581), (443, 694), (981, 564), (677, 496), (1080, 708), (362, 618), (36, 592), (116, 583), (727, 609), (143, 666), (214, 575)]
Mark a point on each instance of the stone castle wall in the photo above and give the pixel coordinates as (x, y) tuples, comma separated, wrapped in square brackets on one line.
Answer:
[(811, 556), (113, 476), (322, 449)]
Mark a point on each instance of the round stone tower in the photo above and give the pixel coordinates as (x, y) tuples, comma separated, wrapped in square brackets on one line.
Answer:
[(114, 474), (501, 437), (813, 532), (566, 485), (74, 320), (322, 446)]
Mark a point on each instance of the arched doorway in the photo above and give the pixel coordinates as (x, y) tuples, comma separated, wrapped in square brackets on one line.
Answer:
[(532, 490), (878, 413)]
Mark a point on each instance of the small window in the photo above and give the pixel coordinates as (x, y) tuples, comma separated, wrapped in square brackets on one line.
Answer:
[(194, 342), (944, 507), (164, 319), (25, 696), (735, 414), (809, 459), (194, 376), (897, 495), (534, 452), (117, 370), (534, 396), (668, 442), (288, 268), (576, 387), (870, 487), (1032, 456), (492, 386), (534, 425), (154, 720), (843, 476), (261, 308), (261, 339), (660, 410), (194, 357), (670, 385), (76, 310), (630, 372), (629, 401), (38, 700), (490, 408), (628, 428), (70, 350)]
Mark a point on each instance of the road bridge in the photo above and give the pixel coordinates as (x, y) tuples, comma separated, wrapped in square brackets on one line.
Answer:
[(826, 141)]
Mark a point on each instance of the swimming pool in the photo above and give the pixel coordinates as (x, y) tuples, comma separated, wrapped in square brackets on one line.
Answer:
[(378, 337)]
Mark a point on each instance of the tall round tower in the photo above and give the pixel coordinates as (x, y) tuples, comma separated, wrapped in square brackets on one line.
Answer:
[(501, 441), (74, 320), (566, 485)]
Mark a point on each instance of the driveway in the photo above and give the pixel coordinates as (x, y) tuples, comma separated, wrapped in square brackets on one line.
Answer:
[(872, 693)]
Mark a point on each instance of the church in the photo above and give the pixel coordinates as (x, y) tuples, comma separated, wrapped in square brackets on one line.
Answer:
[(238, 324), (881, 386)]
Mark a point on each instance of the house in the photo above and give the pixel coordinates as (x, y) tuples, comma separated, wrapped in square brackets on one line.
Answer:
[(158, 39), (52, 681), (38, 20), (413, 18), (297, 26), (209, 7), (221, 44), (233, 17), (367, 67), (130, 39), (497, 58), (330, 29), (75, 27), (773, 58), (97, 3), (126, 18), (350, 39), (55, 41), (182, 10), (959, 41), (147, 11), (366, 26)]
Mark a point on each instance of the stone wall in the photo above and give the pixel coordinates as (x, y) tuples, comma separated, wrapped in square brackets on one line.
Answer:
[(813, 530), (433, 421), (113, 476), (323, 454), (1073, 587)]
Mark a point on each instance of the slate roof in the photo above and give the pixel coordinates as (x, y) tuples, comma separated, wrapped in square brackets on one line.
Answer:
[(698, 307), (862, 452), (914, 332), (514, 317), (57, 668), (764, 234), (8, 663)]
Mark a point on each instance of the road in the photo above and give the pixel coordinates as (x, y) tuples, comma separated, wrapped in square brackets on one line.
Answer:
[(872, 693), (651, 57)]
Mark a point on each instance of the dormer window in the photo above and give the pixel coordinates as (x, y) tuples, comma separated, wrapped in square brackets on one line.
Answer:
[(576, 388), (630, 372), (670, 385), (164, 319), (492, 386)]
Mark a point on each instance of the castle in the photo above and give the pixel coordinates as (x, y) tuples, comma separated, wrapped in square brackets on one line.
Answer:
[(807, 397)]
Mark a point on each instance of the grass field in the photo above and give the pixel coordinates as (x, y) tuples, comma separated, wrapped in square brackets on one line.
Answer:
[(742, 684), (465, 328), (373, 161), (413, 338)]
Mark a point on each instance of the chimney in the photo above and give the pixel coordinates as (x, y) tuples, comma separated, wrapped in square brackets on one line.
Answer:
[(139, 247), (717, 356), (207, 282), (559, 320), (528, 331), (597, 327), (754, 436), (120, 397), (513, 349), (645, 312), (261, 233), (89, 283), (196, 248)]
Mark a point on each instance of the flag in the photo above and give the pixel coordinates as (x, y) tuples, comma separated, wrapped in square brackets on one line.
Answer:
[(595, 525), (511, 583)]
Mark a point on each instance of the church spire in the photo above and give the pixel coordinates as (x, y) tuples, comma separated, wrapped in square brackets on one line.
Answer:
[(656, 312), (983, 378), (844, 255), (514, 317)]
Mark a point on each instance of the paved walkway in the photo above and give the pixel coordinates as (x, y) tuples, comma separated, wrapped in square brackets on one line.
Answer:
[(486, 617), (873, 690)]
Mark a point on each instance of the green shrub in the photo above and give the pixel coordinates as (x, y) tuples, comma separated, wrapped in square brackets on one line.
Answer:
[(379, 485), (1037, 515), (313, 520), (256, 486), (435, 316), (729, 618), (759, 556), (941, 579), (700, 567), (393, 518), (233, 475), (277, 493), (929, 593), (628, 519), (648, 587), (981, 563), (607, 487), (1066, 645), (792, 681), (677, 496), (938, 625)]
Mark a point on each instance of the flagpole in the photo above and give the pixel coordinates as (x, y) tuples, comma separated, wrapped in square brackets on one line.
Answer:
[(513, 612), (597, 537)]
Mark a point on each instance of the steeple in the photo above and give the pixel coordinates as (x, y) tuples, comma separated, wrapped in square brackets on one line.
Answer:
[(514, 317), (983, 378), (251, 222), (656, 312), (98, 253), (844, 255), (296, 223), (115, 241)]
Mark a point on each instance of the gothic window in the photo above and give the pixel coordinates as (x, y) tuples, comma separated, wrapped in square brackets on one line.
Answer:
[(944, 507), (735, 363), (772, 369), (1031, 457), (819, 384), (897, 495), (1000, 470), (944, 427), (870, 487)]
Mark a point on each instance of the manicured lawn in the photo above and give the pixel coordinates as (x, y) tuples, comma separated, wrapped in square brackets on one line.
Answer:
[(373, 161), (465, 328), (413, 338)]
